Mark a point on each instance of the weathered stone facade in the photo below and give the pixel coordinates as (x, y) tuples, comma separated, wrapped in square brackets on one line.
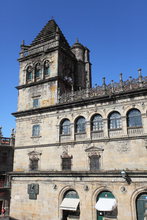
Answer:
[(71, 137), (6, 165)]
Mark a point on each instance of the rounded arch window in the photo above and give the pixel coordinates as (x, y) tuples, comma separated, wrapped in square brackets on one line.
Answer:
[(134, 118), (97, 123), (37, 70), (80, 125), (71, 194), (65, 127), (70, 205), (46, 68), (29, 73), (106, 205), (114, 120), (141, 206)]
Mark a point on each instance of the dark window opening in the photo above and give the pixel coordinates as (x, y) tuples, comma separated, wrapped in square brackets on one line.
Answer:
[(34, 164), (80, 125), (94, 162), (36, 130), (65, 127), (97, 123), (66, 163), (134, 118), (115, 121)]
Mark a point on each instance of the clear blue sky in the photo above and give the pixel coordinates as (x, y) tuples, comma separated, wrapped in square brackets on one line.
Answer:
[(115, 31)]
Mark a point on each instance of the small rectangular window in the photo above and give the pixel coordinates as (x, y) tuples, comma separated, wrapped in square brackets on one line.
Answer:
[(35, 103), (34, 164), (66, 163), (36, 130), (94, 162)]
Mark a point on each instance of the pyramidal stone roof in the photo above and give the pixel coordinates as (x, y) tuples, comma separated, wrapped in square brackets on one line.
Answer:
[(48, 32)]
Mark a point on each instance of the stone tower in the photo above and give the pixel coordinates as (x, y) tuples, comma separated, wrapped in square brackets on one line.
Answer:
[(49, 67)]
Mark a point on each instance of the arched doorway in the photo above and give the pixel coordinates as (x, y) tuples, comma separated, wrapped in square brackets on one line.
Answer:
[(70, 205), (141, 206), (106, 206)]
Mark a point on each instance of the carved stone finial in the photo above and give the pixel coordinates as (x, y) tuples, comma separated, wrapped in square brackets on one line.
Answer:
[(77, 40), (22, 43), (104, 83), (121, 79), (1, 135), (139, 72), (13, 133)]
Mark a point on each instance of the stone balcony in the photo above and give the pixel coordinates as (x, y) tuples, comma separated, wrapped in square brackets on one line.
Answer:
[(113, 88)]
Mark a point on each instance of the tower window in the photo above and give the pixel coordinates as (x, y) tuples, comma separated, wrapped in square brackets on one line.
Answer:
[(36, 130), (37, 70), (115, 120), (80, 126), (97, 123), (29, 74), (35, 103), (65, 127), (134, 118), (46, 68)]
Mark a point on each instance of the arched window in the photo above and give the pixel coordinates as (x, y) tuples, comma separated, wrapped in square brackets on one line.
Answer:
[(141, 206), (80, 126), (37, 71), (70, 205), (114, 120), (97, 123), (134, 118), (46, 68), (65, 127), (29, 74), (103, 209)]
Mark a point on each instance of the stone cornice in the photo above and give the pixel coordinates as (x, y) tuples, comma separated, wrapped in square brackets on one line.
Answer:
[(37, 83), (67, 174)]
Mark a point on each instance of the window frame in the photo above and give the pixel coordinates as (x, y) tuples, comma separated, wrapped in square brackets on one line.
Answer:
[(97, 125), (65, 129), (114, 123), (80, 128), (66, 163), (46, 70), (92, 160), (29, 72), (134, 119), (34, 105), (36, 130), (37, 71)]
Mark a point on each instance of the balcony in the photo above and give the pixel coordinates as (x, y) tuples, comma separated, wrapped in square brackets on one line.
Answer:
[(7, 141), (135, 131)]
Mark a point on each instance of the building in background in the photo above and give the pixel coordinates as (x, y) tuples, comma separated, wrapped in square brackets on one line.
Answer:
[(80, 152), (6, 165)]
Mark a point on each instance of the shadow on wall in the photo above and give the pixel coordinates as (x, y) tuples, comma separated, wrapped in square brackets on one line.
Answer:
[(7, 218)]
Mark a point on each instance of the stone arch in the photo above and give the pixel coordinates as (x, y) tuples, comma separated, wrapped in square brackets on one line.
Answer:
[(94, 198), (61, 195), (134, 196)]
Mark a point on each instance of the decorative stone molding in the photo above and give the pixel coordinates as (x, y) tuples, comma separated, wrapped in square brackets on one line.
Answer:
[(34, 155)]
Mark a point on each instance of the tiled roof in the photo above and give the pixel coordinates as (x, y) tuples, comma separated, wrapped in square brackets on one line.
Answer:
[(48, 32)]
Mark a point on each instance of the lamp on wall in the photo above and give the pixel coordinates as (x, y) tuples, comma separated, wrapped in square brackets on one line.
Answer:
[(125, 176)]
